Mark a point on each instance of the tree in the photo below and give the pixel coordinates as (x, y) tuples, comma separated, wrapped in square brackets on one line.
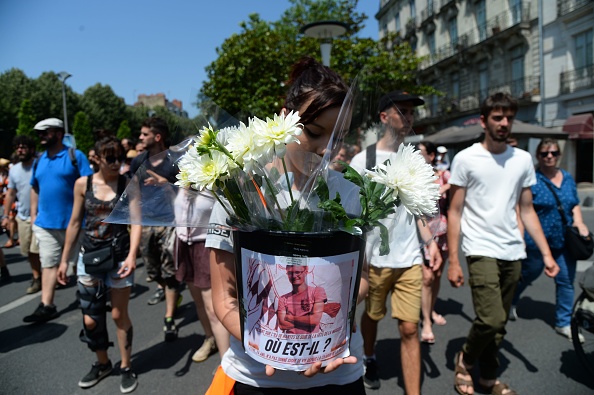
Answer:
[(46, 97), (103, 107), (124, 131), (83, 133), (15, 87), (27, 120), (248, 77)]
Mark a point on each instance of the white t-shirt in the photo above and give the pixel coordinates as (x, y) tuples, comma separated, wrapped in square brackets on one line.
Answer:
[(493, 182), (193, 208), (405, 246), (241, 367)]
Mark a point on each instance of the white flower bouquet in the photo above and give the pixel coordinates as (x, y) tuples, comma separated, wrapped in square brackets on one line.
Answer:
[(246, 165)]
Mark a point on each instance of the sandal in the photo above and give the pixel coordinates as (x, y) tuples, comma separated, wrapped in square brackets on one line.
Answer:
[(498, 389), (428, 338), (438, 319), (459, 381)]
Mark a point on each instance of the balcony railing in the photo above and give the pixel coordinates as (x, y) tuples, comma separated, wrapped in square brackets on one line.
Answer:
[(429, 12), (566, 6), (523, 88), (577, 80), (493, 26)]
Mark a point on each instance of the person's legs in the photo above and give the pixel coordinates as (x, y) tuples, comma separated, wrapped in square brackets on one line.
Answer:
[(124, 332), (564, 289), (29, 247), (406, 307), (410, 357), (427, 301)]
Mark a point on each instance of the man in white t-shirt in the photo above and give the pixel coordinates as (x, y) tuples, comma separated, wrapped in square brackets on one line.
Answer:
[(400, 270), (489, 181)]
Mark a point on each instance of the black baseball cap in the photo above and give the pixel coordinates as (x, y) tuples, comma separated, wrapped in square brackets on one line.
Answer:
[(390, 99)]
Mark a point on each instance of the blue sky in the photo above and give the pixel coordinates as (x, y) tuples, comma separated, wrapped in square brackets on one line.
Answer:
[(135, 46)]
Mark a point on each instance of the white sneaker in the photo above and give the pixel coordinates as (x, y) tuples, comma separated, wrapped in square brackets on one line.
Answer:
[(566, 331), (208, 347), (513, 314)]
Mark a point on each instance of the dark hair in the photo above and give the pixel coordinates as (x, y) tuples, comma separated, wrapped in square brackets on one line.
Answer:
[(109, 145), (158, 126), (22, 139), (316, 84), (545, 142), (430, 148), (498, 101)]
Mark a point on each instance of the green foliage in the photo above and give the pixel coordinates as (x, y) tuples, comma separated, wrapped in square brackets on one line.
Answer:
[(103, 107), (26, 120), (248, 78), (83, 133), (124, 131)]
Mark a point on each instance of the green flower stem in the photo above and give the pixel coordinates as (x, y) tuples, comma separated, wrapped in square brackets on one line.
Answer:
[(289, 186), (221, 202), (274, 198)]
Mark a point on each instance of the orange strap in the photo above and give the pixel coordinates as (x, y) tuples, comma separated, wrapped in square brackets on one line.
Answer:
[(221, 384)]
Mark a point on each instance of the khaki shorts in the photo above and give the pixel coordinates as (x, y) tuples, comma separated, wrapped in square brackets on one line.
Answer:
[(405, 284), (51, 244), (27, 237)]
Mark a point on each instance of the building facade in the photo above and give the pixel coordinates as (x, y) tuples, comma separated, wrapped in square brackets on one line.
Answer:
[(473, 48)]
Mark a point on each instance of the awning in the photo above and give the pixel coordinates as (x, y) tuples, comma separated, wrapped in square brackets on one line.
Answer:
[(579, 126)]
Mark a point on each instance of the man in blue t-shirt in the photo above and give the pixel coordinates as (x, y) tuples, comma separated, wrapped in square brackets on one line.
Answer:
[(52, 197)]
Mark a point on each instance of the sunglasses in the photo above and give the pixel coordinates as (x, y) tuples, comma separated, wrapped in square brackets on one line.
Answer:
[(546, 153), (111, 159)]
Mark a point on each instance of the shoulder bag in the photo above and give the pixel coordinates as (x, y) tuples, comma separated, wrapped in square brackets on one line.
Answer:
[(578, 246)]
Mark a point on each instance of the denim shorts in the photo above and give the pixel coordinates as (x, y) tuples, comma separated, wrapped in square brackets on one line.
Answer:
[(111, 279)]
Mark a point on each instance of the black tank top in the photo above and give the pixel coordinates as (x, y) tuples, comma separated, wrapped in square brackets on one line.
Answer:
[(98, 233)]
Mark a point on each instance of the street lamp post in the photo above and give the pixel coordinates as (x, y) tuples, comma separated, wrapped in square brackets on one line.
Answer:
[(63, 76), (325, 31)]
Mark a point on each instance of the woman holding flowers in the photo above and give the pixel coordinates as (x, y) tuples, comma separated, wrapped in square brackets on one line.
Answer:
[(317, 94)]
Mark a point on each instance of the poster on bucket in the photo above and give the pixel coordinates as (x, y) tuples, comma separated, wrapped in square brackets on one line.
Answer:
[(297, 310)]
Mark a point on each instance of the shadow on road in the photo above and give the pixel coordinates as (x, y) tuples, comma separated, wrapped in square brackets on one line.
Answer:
[(573, 369), (164, 355), (29, 335), (530, 309)]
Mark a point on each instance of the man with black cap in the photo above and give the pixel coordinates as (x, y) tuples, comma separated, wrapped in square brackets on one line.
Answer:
[(54, 174), (400, 270)]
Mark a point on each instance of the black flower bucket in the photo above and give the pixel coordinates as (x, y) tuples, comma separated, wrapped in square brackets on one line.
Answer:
[(298, 293)]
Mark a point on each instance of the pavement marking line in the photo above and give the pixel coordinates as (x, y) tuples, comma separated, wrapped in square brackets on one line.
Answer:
[(16, 303)]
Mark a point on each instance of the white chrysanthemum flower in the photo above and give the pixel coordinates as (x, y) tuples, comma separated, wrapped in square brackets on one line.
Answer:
[(241, 145), (203, 172), (411, 179), (272, 135), (207, 136), (223, 134)]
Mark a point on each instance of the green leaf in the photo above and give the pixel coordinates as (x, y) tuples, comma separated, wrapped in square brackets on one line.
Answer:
[(384, 239)]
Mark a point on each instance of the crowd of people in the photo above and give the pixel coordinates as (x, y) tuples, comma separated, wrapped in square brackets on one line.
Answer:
[(505, 216)]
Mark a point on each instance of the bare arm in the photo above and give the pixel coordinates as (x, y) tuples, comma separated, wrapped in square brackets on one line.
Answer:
[(435, 260), (532, 225), (578, 220), (33, 203), (455, 274), (224, 292), (9, 198), (73, 229)]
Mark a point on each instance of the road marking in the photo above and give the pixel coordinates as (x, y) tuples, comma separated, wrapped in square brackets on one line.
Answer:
[(19, 302)]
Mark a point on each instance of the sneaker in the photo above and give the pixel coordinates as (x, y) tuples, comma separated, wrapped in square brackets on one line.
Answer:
[(566, 332), (129, 381), (42, 313), (98, 372), (170, 329), (513, 314), (206, 350), (157, 297), (35, 286), (371, 378)]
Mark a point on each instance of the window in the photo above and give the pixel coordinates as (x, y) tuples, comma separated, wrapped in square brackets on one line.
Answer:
[(453, 28), (397, 21), (431, 43), (483, 68), (516, 11), (455, 80), (481, 19), (517, 71), (583, 50), (413, 10)]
